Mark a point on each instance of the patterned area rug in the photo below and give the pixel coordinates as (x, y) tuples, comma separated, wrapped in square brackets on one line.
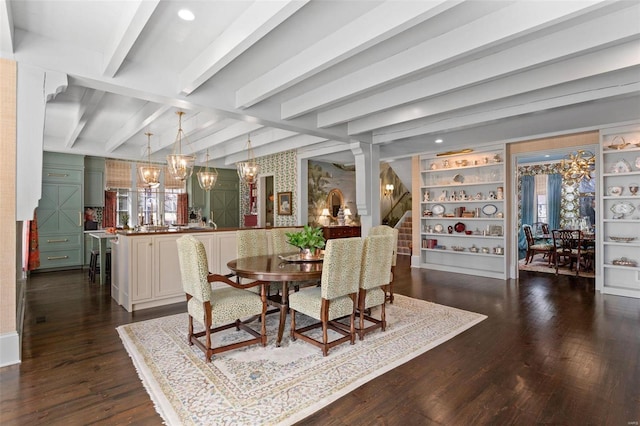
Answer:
[(269, 386), (540, 265)]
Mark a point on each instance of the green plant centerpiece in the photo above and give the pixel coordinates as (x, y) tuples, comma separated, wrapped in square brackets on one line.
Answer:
[(309, 240)]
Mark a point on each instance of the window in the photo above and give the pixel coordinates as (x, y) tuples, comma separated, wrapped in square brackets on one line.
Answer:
[(541, 198), (123, 207), (171, 205)]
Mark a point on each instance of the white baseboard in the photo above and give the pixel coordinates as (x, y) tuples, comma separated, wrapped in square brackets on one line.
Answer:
[(415, 261), (9, 349)]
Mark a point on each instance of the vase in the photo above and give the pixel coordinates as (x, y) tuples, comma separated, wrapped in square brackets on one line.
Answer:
[(309, 253)]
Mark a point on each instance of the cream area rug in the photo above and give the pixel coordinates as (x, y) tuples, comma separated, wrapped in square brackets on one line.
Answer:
[(259, 385)]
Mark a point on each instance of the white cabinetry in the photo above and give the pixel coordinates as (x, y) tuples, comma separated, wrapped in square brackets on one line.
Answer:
[(618, 234), (463, 209), (147, 269)]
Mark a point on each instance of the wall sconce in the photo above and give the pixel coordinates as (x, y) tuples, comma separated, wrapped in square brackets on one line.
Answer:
[(388, 189)]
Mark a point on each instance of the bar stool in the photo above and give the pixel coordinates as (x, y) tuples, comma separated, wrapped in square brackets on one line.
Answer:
[(94, 265)]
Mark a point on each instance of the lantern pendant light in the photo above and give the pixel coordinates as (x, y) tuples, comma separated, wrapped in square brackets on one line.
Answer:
[(248, 170), (180, 165), (149, 174), (207, 179)]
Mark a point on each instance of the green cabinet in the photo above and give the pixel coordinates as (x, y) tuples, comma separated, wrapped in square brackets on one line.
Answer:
[(94, 182), (60, 212)]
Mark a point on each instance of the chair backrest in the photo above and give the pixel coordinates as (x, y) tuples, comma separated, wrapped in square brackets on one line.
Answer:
[(193, 268), (279, 244), (387, 230), (528, 234), (341, 267), (545, 228), (567, 240), (376, 261), (251, 242)]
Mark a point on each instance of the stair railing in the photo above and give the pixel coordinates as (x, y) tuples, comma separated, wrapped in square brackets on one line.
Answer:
[(385, 219)]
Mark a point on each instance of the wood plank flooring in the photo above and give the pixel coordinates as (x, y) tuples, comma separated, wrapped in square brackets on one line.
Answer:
[(552, 351)]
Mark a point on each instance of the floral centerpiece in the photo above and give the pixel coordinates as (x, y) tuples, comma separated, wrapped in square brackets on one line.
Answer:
[(309, 240)]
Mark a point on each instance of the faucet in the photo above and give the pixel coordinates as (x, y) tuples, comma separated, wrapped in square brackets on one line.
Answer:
[(213, 224)]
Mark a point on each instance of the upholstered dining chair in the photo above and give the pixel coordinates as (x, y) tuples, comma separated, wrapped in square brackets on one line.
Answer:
[(534, 247), (568, 246), (218, 309), (279, 244), (254, 242), (387, 230), (376, 261), (335, 298)]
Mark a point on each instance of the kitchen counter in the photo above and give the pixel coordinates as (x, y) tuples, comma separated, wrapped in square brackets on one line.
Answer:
[(182, 230)]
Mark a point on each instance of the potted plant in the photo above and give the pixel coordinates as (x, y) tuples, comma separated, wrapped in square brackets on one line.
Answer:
[(309, 240)]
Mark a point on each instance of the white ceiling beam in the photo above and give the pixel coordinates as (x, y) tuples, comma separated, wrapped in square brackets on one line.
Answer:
[(505, 24), (502, 110), (147, 115), (88, 104), (381, 23), (295, 142), (233, 131), (553, 47), (599, 62), (257, 21), (126, 35), (6, 29), (272, 135)]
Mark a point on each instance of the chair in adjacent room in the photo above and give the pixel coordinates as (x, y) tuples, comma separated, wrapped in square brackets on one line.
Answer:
[(376, 261), (335, 298), (94, 264), (219, 309), (387, 230), (534, 247), (568, 246)]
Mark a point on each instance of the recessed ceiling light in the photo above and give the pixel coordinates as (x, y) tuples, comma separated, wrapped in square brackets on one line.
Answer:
[(439, 141), (186, 14)]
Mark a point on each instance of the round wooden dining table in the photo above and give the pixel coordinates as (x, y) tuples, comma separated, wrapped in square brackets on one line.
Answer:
[(275, 268)]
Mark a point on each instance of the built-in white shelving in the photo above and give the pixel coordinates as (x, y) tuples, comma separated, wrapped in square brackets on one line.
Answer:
[(462, 212)]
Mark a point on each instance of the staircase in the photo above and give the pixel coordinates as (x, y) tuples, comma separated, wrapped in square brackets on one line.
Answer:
[(404, 236)]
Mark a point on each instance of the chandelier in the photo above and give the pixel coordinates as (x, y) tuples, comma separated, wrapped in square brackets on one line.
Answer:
[(149, 174), (578, 166), (207, 179), (180, 166), (248, 170)]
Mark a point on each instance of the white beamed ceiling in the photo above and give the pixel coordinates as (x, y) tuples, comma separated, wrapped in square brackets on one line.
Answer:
[(317, 75)]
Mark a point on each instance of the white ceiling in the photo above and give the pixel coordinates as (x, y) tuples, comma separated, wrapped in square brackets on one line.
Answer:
[(318, 75)]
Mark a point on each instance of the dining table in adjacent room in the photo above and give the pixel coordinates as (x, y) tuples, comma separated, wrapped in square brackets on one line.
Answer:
[(276, 268)]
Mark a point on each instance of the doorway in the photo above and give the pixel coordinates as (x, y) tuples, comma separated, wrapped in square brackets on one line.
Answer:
[(266, 201), (546, 200)]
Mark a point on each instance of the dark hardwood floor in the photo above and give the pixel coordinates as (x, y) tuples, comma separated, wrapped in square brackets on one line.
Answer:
[(552, 351)]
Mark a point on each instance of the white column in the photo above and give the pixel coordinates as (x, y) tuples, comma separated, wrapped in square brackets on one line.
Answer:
[(367, 161)]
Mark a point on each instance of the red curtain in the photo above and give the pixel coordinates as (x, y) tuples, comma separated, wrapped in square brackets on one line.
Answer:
[(182, 215), (33, 256), (110, 205)]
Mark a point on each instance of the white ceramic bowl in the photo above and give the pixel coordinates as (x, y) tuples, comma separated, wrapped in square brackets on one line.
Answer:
[(614, 190)]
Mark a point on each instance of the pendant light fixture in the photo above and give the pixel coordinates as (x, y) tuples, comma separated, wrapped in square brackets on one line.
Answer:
[(149, 174), (207, 179), (180, 165), (578, 166), (248, 170)]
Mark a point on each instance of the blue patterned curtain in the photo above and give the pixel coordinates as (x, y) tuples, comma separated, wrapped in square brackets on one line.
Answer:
[(554, 200), (528, 191)]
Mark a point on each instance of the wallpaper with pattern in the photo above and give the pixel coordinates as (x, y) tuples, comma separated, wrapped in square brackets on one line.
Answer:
[(283, 168)]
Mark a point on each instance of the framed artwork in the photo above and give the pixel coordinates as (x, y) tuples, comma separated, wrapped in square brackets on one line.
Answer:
[(284, 204)]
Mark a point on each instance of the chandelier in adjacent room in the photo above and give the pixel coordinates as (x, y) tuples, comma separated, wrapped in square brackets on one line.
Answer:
[(578, 166), (149, 174), (248, 170), (180, 165), (207, 179)]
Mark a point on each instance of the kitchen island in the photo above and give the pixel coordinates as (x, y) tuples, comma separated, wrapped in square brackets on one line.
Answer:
[(145, 268)]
